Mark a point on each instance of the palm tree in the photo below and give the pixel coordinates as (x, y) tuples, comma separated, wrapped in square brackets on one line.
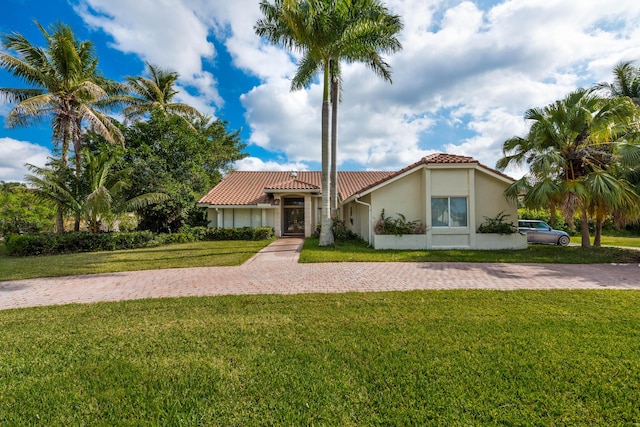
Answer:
[(155, 94), (65, 87), (95, 196), (55, 183), (626, 82), (608, 193), (105, 188), (326, 32), (570, 147)]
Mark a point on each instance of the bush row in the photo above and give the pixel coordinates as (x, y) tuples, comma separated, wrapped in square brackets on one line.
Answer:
[(51, 244)]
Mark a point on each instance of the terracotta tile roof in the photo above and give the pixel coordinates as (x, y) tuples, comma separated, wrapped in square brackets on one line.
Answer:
[(436, 158), (292, 184), (252, 188)]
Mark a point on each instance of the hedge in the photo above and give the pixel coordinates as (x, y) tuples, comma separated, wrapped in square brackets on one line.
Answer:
[(51, 244)]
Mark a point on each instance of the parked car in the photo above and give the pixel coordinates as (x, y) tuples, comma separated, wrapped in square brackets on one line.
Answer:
[(541, 232)]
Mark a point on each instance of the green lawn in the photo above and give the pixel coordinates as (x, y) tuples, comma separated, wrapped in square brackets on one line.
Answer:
[(197, 254), (630, 242), (472, 358), (358, 250)]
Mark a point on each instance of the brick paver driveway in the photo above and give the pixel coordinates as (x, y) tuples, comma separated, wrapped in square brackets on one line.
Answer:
[(275, 270)]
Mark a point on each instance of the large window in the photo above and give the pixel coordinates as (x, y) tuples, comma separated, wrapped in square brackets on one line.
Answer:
[(448, 211)]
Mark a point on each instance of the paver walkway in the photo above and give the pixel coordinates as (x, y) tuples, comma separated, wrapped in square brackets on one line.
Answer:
[(275, 270)]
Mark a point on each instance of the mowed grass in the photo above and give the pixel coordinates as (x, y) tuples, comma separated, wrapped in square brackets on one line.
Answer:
[(358, 251), (472, 358), (622, 241), (197, 254)]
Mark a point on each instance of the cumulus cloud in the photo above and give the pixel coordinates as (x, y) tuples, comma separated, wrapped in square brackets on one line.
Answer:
[(167, 33), (256, 164), (473, 68), (13, 156)]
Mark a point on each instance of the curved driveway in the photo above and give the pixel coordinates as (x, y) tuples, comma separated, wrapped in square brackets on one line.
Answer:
[(275, 270)]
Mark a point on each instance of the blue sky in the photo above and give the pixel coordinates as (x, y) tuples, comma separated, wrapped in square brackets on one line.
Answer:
[(467, 73)]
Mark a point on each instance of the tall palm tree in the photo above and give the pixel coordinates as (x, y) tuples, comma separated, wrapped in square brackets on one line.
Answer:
[(65, 87), (326, 32), (569, 149), (155, 93)]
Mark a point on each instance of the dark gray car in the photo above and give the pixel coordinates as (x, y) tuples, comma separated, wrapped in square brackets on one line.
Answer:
[(541, 232)]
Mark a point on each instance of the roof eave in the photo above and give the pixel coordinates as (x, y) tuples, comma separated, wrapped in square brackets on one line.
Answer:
[(291, 190), (253, 205)]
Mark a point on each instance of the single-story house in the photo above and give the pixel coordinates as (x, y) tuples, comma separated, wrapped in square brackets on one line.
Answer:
[(451, 195)]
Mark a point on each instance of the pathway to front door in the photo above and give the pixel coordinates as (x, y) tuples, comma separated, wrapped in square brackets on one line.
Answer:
[(275, 270)]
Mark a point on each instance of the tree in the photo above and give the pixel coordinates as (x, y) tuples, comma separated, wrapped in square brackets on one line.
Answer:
[(97, 195), (326, 32), (626, 82), (155, 94), (105, 189), (376, 33), (570, 147), (65, 87), (22, 212), (168, 157)]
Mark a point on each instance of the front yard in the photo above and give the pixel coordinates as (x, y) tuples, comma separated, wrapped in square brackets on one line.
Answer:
[(395, 358), (222, 253), (358, 251), (196, 254)]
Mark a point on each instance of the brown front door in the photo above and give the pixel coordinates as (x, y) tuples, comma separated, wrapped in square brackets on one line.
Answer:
[(294, 216)]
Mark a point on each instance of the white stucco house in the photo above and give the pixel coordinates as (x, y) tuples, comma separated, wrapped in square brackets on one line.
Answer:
[(451, 195)]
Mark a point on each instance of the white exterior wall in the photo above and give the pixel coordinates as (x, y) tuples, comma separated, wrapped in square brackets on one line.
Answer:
[(490, 200), (411, 196), (450, 182), (405, 196), (240, 217), (356, 218)]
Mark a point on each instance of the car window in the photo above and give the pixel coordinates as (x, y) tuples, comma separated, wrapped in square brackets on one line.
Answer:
[(541, 226)]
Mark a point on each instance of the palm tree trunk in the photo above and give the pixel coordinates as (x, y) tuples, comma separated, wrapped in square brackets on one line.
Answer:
[(584, 227), (335, 99), (552, 211), (326, 235), (77, 150), (598, 235), (60, 219)]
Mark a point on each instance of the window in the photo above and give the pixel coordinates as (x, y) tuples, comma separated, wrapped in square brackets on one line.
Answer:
[(448, 211), (294, 201)]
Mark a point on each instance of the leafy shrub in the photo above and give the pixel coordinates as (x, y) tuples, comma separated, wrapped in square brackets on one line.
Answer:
[(50, 244), (244, 233), (339, 229), (398, 226), (497, 225), (545, 215)]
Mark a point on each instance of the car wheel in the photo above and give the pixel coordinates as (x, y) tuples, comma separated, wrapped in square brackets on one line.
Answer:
[(563, 240)]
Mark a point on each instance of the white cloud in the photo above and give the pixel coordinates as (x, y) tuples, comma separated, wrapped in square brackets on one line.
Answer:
[(285, 122), (167, 33), (471, 67), (256, 164), (13, 156)]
